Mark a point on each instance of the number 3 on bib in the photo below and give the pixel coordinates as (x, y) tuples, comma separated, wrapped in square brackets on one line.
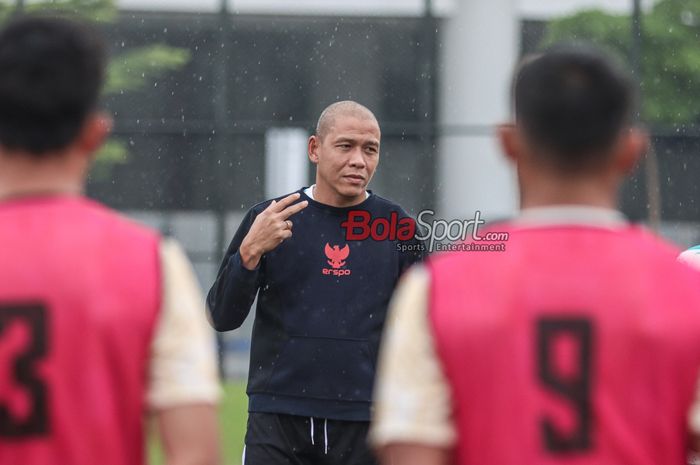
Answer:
[(23, 396)]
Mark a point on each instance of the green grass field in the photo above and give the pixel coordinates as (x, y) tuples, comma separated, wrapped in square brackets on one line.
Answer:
[(233, 415)]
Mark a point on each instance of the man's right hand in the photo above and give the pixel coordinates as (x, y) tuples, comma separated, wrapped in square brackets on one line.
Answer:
[(270, 228)]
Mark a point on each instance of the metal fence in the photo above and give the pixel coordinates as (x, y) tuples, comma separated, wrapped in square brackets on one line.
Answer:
[(196, 138)]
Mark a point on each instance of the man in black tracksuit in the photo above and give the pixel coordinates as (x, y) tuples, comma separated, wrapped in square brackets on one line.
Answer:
[(322, 299)]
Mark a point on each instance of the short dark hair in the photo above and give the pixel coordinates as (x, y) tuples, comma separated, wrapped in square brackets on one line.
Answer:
[(51, 74), (573, 102)]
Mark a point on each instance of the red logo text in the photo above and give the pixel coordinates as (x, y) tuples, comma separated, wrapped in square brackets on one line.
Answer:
[(360, 226)]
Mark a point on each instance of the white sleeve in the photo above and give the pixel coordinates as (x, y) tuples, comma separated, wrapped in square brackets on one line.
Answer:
[(412, 397), (183, 368), (694, 412)]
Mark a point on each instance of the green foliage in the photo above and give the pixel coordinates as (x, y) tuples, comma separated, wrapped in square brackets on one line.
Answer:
[(609, 31), (114, 152), (6, 8), (130, 71), (133, 70), (670, 62), (92, 10)]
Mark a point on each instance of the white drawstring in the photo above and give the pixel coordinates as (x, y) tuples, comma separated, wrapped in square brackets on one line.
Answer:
[(312, 431), (325, 434)]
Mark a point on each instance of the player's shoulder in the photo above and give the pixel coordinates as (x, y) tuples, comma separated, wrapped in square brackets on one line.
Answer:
[(637, 243), (656, 248), (454, 261), (116, 223), (669, 264)]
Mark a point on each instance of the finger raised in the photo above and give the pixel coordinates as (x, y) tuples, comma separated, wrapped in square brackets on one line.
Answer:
[(296, 208), (285, 202)]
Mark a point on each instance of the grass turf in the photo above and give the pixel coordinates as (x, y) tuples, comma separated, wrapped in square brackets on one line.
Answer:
[(233, 415)]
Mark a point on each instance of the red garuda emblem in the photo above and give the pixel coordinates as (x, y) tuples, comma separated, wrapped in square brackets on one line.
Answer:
[(336, 255)]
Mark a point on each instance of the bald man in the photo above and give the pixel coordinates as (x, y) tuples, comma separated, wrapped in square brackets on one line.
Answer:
[(321, 304)]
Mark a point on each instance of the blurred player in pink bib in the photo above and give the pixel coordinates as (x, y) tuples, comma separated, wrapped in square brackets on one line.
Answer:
[(580, 344), (101, 320)]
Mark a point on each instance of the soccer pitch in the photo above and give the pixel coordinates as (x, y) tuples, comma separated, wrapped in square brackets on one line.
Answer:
[(233, 414)]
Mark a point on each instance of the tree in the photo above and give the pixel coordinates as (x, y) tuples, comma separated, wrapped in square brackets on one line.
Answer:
[(126, 72), (670, 62)]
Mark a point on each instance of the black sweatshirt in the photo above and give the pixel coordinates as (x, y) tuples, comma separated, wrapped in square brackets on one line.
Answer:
[(320, 312)]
